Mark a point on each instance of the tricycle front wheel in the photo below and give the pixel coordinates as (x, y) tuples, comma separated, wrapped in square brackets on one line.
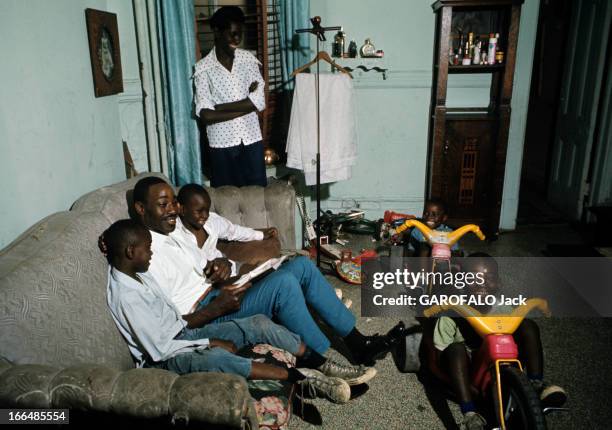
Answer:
[(520, 403)]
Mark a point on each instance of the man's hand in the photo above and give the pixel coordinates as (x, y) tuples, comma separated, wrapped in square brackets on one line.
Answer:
[(217, 270), (225, 344), (253, 86), (269, 232)]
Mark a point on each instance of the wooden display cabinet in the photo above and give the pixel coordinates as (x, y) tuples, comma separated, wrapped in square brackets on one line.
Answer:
[(467, 146)]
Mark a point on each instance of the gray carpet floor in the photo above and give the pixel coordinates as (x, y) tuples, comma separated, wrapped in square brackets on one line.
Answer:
[(577, 357)]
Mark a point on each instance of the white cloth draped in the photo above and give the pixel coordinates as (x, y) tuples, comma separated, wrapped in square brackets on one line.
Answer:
[(337, 125)]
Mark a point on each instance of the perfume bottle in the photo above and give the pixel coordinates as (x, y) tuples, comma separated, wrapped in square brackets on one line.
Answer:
[(368, 49)]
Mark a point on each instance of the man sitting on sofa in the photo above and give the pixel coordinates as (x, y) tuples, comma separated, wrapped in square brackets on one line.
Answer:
[(283, 295), (158, 336)]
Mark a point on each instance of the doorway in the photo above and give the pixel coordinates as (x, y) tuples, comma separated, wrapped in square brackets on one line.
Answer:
[(566, 87), (544, 99)]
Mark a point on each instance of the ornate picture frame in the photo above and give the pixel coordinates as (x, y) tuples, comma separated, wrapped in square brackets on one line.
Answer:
[(104, 52)]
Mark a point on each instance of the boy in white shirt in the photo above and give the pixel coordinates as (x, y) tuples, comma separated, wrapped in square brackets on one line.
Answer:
[(199, 230)]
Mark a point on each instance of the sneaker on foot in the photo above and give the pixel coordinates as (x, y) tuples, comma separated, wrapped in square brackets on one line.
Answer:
[(334, 389), (551, 396), (473, 421), (353, 375)]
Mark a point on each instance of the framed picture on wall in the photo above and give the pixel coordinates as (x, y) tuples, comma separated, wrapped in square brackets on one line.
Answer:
[(104, 52)]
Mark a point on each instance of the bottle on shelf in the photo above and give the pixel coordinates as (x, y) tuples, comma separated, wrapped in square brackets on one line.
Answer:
[(476, 53), (499, 53), (492, 49), (466, 55), (339, 42), (367, 49), (471, 45), (352, 49)]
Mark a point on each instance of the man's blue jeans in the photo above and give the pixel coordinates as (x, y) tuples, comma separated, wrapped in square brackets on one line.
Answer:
[(283, 295), (244, 331)]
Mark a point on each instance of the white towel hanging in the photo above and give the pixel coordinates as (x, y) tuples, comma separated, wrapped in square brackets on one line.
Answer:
[(338, 136)]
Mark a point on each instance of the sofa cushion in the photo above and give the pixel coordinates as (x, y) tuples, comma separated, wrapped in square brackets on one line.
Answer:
[(111, 201), (213, 398), (257, 207), (27, 386), (53, 296)]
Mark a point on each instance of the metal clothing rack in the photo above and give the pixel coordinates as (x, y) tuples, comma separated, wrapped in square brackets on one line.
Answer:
[(318, 31)]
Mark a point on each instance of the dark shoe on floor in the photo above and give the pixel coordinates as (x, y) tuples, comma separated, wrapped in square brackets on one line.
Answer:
[(353, 375), (551, 396), (377, 346)]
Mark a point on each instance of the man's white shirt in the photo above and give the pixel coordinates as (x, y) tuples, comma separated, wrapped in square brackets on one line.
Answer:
[(215, 85)]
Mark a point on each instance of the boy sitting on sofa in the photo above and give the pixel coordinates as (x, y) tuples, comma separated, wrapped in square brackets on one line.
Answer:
[(158, 336), (198, 231)]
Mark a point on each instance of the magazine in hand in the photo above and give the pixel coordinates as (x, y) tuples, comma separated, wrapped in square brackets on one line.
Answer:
[(267, 266)]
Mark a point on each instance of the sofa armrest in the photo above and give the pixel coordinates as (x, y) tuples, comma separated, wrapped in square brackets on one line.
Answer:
[(212, 398)]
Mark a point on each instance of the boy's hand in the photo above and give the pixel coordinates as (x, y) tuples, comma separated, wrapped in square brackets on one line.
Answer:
[(253, 86), (219, 269), (224, 344), (269, 232)]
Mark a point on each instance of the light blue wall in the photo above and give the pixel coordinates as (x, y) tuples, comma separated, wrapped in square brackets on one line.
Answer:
[(392, 114), (57, 141), (518, 121)]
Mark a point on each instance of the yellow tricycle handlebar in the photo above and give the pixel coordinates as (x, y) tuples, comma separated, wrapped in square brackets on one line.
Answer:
[(485, 325), (441, 237)]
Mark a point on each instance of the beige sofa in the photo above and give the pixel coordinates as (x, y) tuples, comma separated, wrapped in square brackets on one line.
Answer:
[(59, 346)]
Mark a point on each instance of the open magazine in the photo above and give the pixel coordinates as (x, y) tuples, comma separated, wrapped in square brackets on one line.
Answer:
[(269, 265)]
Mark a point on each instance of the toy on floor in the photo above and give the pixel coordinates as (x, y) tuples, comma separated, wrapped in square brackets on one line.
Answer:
[(497, 374), (349, 269)]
